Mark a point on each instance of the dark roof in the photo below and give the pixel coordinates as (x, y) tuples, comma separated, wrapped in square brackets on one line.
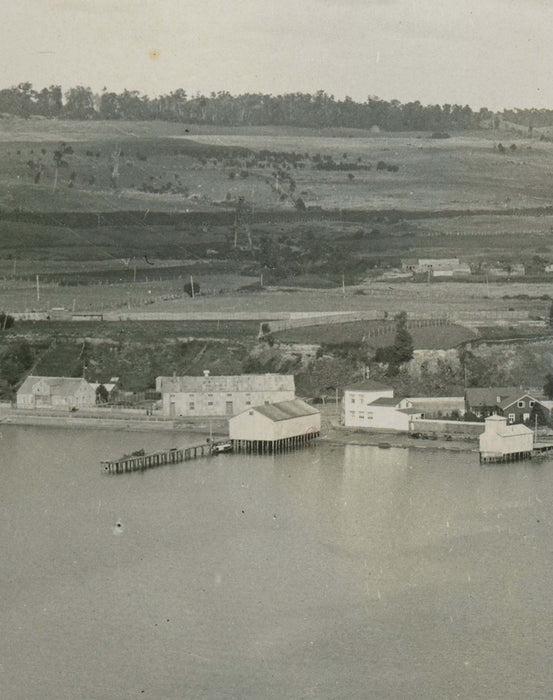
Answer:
[(367, 385), (385, 401), (410, 411), (284, 410), (509, 401), (217, 383), (491, 396)]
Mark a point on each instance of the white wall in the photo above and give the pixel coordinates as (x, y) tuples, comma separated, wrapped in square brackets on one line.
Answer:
[(219, 403), (252, 425), (380, 418), (356, 402)]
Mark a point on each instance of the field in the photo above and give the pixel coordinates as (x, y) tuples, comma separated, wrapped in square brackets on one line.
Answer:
[(117, 218), (434, 337)]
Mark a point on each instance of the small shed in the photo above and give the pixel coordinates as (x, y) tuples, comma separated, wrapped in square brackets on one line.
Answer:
[(504, 443), (275, 427)]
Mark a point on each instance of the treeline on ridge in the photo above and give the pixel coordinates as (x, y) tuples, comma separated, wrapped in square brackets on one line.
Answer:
[(293, 109)]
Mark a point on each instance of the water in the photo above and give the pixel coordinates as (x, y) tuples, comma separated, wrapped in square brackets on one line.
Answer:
[(335, 573)]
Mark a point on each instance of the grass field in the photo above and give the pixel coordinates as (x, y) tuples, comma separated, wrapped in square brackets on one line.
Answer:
[(358, 331), (462, 172), (89, 265)]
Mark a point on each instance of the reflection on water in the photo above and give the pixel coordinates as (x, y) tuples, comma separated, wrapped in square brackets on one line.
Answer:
[(339, 572)]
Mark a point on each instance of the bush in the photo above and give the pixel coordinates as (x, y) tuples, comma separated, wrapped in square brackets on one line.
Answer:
[(6, 321)]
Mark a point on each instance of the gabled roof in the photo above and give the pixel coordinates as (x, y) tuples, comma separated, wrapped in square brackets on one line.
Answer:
[(385, 401), (368, 385), (513, 399), (59, 386), (488, 396), (284, 410), (239, 382), (504, 430)]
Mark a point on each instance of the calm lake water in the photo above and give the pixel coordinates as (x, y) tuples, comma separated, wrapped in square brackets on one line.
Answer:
[(339, 572)]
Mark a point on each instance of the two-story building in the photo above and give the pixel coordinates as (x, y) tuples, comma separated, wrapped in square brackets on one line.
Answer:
[(521, 408), (372, 405), (223, 395), (516, 404)]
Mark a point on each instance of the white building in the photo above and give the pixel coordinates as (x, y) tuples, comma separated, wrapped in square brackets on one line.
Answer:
[(437, 267), (274, 427), (222, 395), (502, 442), (385, 414), (55, 392), (370, 404), (358, 396)]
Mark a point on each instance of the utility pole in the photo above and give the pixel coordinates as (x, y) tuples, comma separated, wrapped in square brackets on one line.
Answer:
[(343, 285), (192, 286), (37, 289), (14, 264)]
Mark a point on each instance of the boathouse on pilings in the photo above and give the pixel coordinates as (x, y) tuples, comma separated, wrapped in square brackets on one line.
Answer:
[(505, 443), (275, 427)]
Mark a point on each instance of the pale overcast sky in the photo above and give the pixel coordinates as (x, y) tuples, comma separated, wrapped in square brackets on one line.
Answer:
[(493, 53)]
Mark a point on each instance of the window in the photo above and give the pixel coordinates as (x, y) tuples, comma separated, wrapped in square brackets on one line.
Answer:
[(248, 403), (520, 404), (531, 403), (352, 399), (191, 406), (361, 416), (512, 417), (352, 415), (369, 416)]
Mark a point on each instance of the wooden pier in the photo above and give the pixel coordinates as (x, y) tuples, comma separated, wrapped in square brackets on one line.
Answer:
[(540, 449), (275, 446), (140, 462)]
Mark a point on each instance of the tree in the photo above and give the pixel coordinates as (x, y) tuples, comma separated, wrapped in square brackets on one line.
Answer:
[(102, 395), (548, 386), (538, 416), (192, 288), (6, 321), (79, 103), (401, 349)]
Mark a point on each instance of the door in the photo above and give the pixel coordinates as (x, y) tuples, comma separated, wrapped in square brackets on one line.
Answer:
[(229, 409)]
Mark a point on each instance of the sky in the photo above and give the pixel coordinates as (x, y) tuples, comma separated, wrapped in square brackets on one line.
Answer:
[(485, 53)]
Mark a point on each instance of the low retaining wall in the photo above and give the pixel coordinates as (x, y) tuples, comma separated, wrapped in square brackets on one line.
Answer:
[(457, 428)]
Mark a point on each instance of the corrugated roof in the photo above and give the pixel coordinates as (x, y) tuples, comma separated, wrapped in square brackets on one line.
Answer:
[(238, 382), (285, 410)]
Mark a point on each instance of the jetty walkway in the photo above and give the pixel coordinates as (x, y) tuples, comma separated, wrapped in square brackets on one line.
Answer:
[(140, 461)]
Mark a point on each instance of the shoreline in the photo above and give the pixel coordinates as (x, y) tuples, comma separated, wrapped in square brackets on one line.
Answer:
[(335, 435)]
